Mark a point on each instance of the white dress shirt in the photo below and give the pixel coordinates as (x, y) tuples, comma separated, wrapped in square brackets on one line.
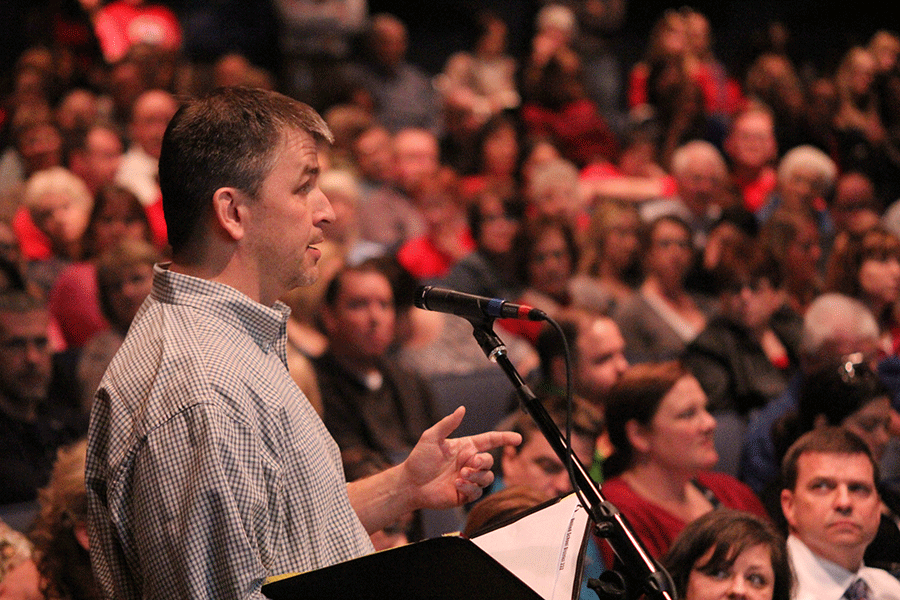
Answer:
[(820, 579)]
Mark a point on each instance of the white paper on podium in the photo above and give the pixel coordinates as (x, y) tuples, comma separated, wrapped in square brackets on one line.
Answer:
[(543, 548)]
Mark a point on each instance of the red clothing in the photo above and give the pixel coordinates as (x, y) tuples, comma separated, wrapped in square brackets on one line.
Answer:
[(32, 241), (721, 93), (602, 171), (656, 527), (424, 260), (157, 224), (75, 304), (579, 130), (36, 246), (756, 192), (120, 24)]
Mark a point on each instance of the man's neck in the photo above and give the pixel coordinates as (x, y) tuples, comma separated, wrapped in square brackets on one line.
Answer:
[(849, 559)]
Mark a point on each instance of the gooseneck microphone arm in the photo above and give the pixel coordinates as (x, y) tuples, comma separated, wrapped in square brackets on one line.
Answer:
[(643, 572)]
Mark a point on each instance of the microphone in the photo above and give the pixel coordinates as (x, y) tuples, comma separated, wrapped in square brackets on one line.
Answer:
[(470, 306)]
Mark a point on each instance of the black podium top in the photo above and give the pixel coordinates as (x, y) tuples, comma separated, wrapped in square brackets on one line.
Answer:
[(445, 568)]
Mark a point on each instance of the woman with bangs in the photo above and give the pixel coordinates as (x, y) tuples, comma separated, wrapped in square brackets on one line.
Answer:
[(867, 267), (730, 554)]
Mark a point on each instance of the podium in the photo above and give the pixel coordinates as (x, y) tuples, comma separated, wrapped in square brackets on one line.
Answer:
[(534, 554), (444, 568)]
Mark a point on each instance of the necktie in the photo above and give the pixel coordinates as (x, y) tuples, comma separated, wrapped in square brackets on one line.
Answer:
[(858, 590)]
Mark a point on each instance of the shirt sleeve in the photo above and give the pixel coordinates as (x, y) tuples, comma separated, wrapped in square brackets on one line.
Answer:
[(198, 496)]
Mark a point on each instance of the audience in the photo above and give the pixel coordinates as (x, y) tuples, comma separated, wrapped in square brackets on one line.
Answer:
[(59, 204), (139, 169), (35, 419), (489, 270), (529, 138), (610, 269), (751, 148), (866, 266), (374, 409), (745, 356), (74, 301), (701, 190), (398, 92), (834, 326)]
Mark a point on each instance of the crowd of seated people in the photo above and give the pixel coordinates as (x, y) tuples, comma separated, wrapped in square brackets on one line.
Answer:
[(734, 232)]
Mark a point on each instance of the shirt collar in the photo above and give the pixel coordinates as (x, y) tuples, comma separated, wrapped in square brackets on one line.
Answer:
[(816, 576), (265, 325)]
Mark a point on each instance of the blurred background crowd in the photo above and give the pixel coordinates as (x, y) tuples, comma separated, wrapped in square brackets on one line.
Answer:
[(703, 196)]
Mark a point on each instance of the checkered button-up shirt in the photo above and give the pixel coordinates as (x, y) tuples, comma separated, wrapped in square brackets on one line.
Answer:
[(207, 468)]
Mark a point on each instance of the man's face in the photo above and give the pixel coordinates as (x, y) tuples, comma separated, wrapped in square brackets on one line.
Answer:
[(103, 153), (535, 465), (152, 113), (360, 325), (24, 356), (752, 142), (417, 157), (600, 359), (374, 152), (834, 507), (284, 220), (701, 185)]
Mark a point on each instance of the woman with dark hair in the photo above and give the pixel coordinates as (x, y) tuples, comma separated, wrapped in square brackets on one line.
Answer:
[(659, 321), (728, 553), (659, 473), (546, 255), (867, 267), (489, 270), (498, 149)]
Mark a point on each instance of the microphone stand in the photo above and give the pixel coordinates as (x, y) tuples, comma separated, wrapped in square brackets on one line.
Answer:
[(643, 572)]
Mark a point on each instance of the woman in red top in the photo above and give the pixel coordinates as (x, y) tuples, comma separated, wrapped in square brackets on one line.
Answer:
[(659, 475)]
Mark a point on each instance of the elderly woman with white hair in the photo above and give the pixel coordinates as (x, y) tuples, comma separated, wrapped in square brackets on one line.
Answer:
[(59, 204), (805, 175)]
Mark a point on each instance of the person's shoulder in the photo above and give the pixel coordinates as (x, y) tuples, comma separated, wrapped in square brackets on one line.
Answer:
[(884, 584), (732, 492)]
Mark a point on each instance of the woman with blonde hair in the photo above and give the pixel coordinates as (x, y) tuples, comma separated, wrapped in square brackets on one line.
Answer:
[(609, 271)]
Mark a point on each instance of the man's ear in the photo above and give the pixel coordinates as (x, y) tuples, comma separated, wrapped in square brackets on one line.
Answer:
[(787, 507), (229, 207)]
